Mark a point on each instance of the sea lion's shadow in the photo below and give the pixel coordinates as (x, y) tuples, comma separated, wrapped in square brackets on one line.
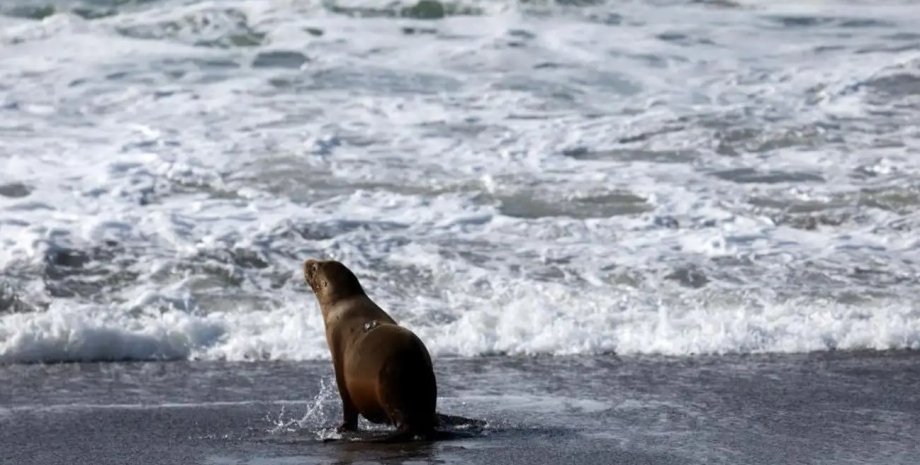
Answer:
[(452, 429), (379, 437), (449, 444), (363, 446)]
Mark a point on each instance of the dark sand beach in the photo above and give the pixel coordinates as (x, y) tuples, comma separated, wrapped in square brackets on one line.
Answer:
[(826, 408)]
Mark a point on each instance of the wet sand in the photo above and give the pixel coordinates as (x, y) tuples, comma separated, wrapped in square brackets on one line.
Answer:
[(834, 408)]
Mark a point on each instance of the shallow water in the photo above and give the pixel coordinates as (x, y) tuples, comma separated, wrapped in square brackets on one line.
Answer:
[(823, 408), (671, 177)]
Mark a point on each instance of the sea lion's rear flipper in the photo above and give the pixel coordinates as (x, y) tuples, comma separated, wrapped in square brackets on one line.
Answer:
[(443, 420), (402, 434)]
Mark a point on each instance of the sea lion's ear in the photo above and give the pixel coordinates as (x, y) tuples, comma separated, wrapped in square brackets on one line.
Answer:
[(325, 283)]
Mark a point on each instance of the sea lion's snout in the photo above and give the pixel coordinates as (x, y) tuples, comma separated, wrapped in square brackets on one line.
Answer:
[(309, 271)]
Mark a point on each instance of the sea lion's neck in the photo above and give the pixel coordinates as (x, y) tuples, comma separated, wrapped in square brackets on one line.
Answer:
[(336, 303)]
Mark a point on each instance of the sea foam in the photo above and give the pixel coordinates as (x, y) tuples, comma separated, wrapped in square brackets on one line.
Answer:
[(505, 177), (524, 322)]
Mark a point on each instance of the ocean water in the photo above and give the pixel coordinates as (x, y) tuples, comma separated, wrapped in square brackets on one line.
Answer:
[(506, 177)]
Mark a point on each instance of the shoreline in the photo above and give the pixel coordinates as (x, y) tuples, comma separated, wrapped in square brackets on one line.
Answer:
[(834, 407)]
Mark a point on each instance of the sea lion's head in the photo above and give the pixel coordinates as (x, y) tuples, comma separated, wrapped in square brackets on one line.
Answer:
[(330, 280)]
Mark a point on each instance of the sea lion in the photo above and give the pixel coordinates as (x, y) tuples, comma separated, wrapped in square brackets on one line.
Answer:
[(383, 370)]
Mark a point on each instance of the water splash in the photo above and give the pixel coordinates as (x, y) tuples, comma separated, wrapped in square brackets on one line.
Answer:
[(313, 418)]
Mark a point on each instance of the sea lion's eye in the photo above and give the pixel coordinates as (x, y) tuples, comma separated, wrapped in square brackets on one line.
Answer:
[(314, 267), (325, 283)]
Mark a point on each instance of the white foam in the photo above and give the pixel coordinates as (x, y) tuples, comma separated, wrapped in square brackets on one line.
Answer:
[(96, 333), (542, 320), (193, 183)]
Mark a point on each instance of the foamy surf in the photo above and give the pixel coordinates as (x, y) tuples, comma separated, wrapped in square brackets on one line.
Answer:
[(506, 178), (526, 322)]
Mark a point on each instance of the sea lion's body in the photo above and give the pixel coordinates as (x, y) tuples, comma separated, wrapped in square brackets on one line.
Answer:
[(383, 370)]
